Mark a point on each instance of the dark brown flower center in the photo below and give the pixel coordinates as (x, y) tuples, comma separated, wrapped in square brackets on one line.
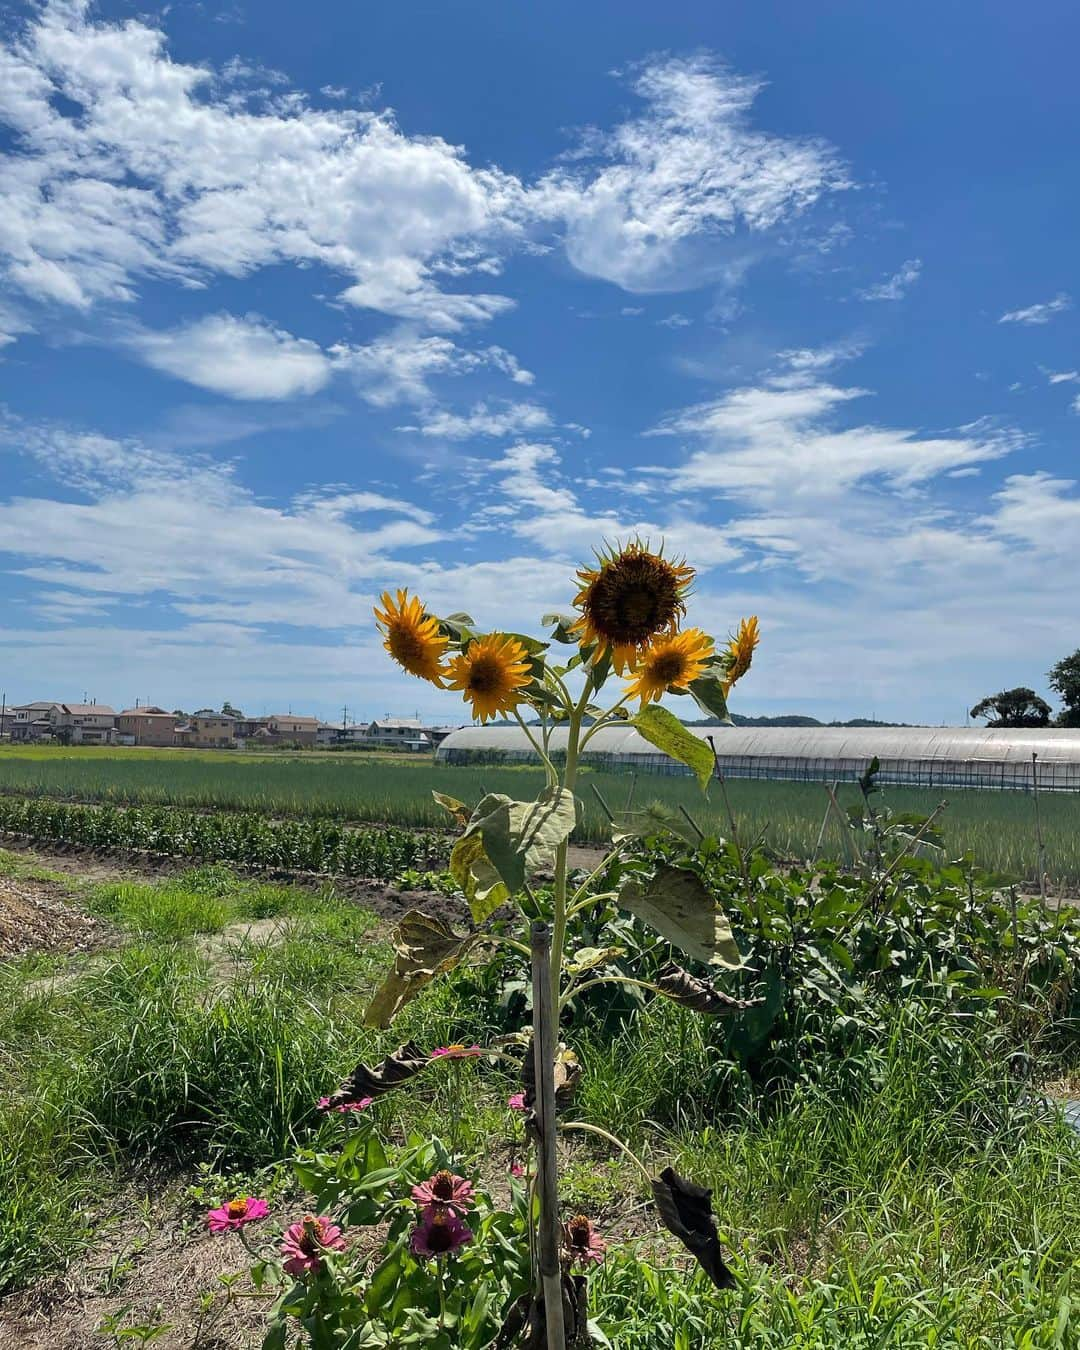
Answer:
[(669, 667), (406, 644), (442, 1186), (579, 1231), (634, 598), (485, 675), (440, 1237)]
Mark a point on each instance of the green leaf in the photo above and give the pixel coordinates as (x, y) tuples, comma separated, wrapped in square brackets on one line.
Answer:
[(664, 730), (588, 958), (472, 870), (678, 905), (708, 691), (561, 624), (519, 838)]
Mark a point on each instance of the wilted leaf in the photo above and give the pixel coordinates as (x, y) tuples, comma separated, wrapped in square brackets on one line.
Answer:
[(678, 905), (567, 1073), (650, 820), (664, 730), (395, 1069), (424, 947), (588, 958), (561, 625), (690, 992), (457, 809), (519, 838), (473, 871), (685, 1210)]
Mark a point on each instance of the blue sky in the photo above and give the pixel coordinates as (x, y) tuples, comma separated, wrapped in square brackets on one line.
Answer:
[(298, 304)]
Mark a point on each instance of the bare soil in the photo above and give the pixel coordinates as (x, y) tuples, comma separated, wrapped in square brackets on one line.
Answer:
[(36, 916), (151, 1267)]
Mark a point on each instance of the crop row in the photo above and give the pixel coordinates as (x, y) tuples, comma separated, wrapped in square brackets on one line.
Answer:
[(236, 837)]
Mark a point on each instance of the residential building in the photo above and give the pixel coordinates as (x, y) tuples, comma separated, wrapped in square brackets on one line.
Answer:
[(397, 733), (83, 723), (327, 733), (287, 728), (30, 721), (211, 730), (148, 725)]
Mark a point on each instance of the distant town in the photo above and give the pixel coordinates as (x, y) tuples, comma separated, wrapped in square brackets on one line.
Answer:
[(146, 724)]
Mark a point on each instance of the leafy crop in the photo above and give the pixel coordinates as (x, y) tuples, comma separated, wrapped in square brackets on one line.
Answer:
[(235, 837)]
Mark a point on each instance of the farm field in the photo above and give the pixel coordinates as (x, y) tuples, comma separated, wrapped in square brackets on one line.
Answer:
[(998, 828), (893, 1184)]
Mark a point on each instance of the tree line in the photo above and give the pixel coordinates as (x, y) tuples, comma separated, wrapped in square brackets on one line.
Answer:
[(1022, 707)]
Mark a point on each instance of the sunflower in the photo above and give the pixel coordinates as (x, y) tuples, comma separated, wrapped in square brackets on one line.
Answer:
[(672, 662), (740, 651), (412, 637), (631, 596), (490, 672)]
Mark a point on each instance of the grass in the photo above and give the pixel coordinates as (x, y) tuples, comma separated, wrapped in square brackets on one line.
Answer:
[(915, 1196), (997, 827)]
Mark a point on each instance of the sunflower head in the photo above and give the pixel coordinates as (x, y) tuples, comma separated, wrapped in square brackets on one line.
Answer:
[(740, 651), (629, 597), (490, 673), (412, 637), (672, 662)]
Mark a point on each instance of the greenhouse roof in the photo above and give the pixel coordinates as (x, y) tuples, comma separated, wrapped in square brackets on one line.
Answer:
[(953, 744)]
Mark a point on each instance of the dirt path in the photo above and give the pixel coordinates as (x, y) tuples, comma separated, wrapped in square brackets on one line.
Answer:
[(153, 1267)]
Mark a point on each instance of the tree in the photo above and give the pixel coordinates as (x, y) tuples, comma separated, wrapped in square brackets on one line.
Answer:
[(1064, 680), (1013, 708)]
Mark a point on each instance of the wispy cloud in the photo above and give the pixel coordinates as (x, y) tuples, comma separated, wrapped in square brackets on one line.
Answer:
[(896, 286), (1039, 314)]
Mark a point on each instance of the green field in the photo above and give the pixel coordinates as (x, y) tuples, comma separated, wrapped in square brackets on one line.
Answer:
[(998, 828)]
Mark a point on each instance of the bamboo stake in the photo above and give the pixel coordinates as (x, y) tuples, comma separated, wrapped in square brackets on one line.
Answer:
[(1038, 826), (824, 822), (547, 1181)]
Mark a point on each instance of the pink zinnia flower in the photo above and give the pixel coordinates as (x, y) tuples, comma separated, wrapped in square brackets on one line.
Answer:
[(516, 1170), (305, 1242), (236, 1213), (456, 1051), (361, 1104), (581, 1241), (439, 1233), (444, 1188), (516, 1101)]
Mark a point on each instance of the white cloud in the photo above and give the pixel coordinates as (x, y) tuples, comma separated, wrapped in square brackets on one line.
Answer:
[(675, 197), (397, 368), (675, 321), (776, 440), (244, 358), (511, 419), (160, 174), (1039, 314), (896, 286), (1061, 376), (171, 170)]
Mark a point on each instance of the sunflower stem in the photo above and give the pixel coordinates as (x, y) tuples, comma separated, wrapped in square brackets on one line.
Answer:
[(549, 768)]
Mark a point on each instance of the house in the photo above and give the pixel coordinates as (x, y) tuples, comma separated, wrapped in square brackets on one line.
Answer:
[(211, 730), (397, 733), (30, 721), (327, 733), (287, 728), (147, 725), (83, 723)]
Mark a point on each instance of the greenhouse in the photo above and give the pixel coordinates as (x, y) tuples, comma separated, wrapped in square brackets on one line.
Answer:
[(931, 757)]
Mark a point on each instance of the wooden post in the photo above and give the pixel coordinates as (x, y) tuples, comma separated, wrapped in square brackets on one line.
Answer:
[(547, 1180)]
